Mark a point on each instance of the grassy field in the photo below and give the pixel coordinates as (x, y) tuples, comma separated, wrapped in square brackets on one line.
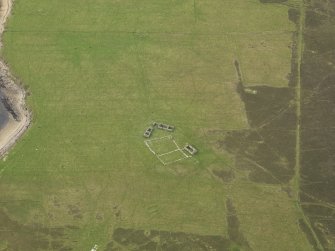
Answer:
[(99, 73)]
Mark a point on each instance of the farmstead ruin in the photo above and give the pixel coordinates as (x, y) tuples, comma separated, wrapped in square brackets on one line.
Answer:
[(166, 148)]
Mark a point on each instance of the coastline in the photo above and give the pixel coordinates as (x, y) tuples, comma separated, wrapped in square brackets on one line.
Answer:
[(13, 95)]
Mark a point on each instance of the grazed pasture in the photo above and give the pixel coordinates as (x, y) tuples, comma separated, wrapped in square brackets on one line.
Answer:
[(99, 72)]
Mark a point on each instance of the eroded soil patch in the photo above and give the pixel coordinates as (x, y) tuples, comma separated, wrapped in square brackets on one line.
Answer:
[(268, 149), (16, 236), (152, 240), (234, 231), (318, 122), (132, 239)]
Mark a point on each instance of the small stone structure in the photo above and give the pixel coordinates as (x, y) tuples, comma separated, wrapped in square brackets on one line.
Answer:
[(190, 149), (148, 132), (161, 126), (165, 127)]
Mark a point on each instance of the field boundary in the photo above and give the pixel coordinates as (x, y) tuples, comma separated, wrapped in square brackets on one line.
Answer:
[(160, 156)]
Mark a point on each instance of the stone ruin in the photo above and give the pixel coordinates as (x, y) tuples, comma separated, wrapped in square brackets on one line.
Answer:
[(148, 132), (150, 129), (165, 127), (190, 149)]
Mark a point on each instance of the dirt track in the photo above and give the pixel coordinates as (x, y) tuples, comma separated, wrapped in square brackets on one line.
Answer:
[(13, 93)]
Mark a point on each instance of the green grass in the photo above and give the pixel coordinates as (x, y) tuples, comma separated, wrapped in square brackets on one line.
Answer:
[(99, 72), (173, 157), (162, 145)]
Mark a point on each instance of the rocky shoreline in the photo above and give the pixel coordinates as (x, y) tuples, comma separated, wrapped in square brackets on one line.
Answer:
[(12, 96)]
